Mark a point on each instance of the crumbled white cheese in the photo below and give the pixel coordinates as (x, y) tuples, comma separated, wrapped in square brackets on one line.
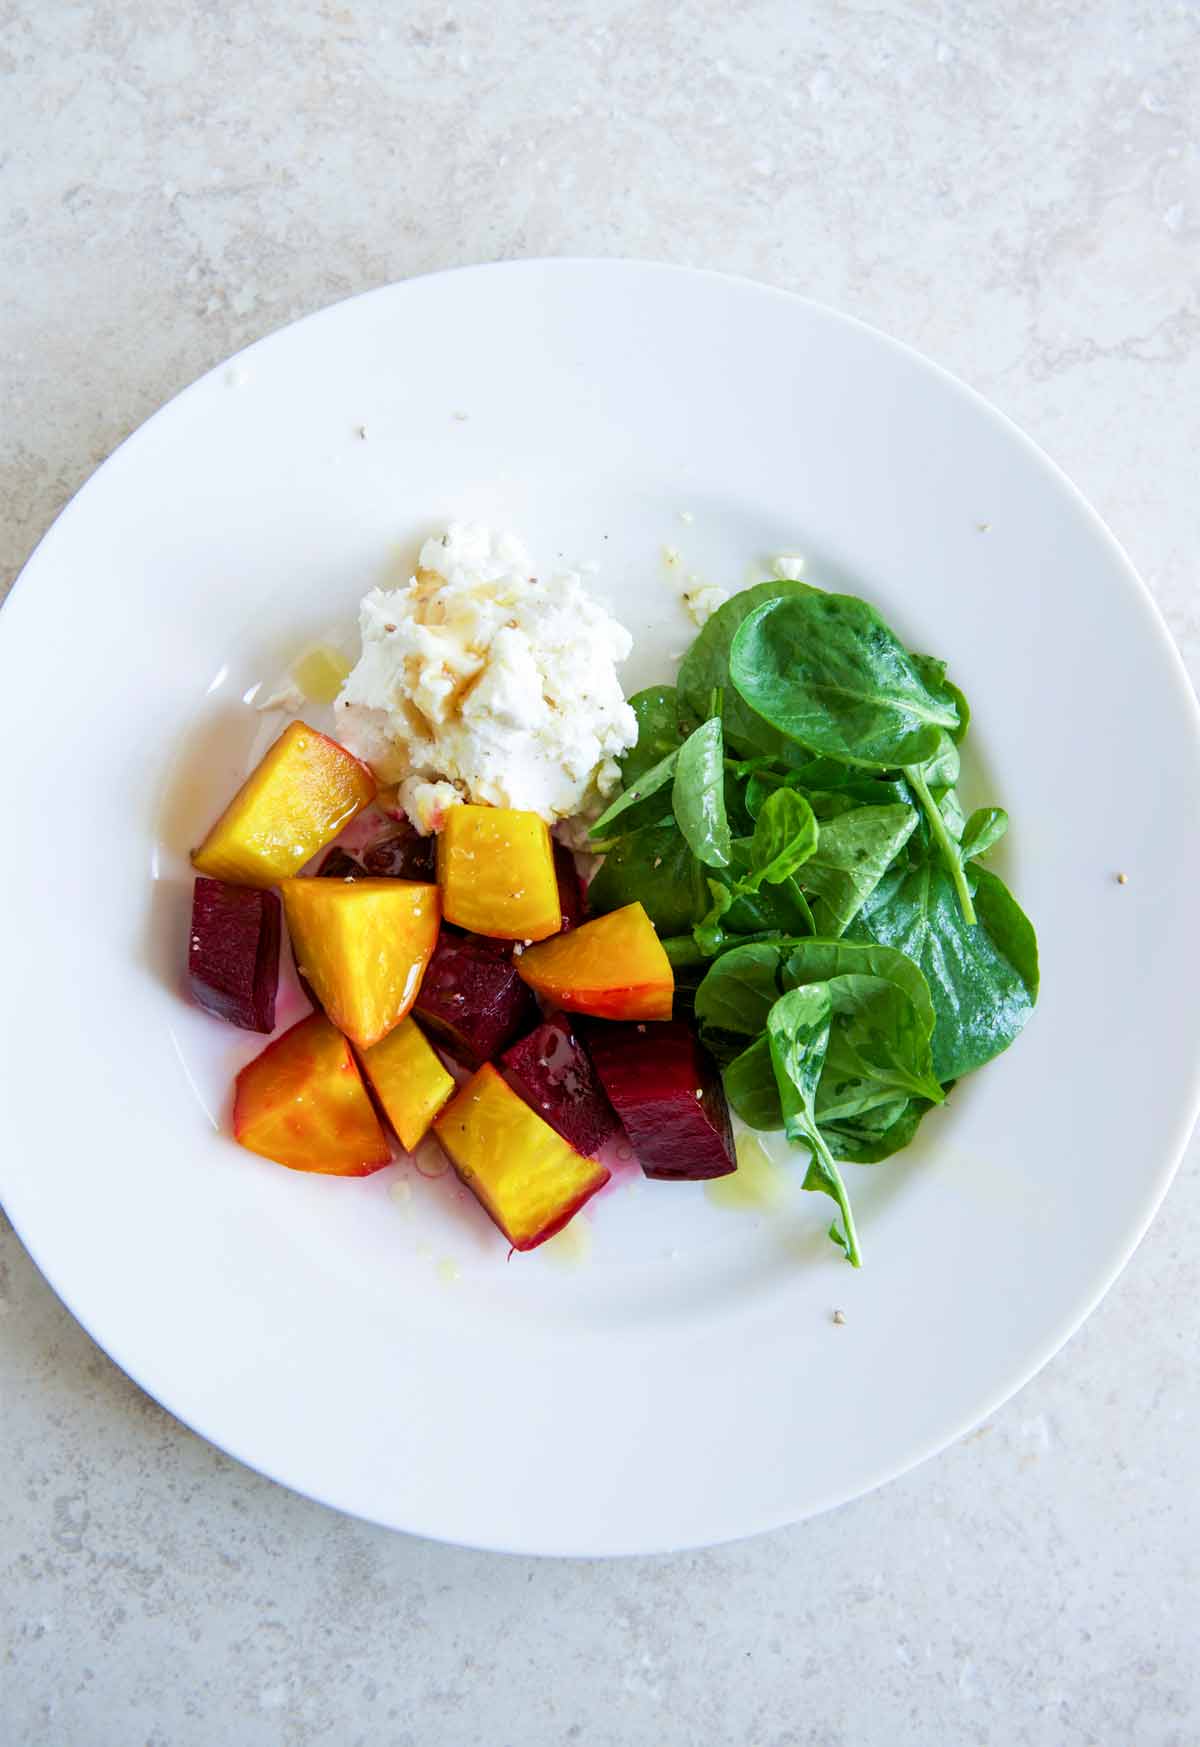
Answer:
[(702, 603), (288, 698), (480, 682), (787, 566)]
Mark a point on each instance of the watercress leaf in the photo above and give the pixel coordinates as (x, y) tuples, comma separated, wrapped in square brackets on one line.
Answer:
[(853, 853), (819, 961), (708, 933), (862, 790), (643, 787), (866, 1140), (740, 988), (878, 1049), (942, 769), (824, 669), (798, 1028), (739, 991), (950, 807), (780, 909), (982, 831), (698, 797), (706, 665), (942, 842), (654, 867), (749, 1081), (785, 836), (933, 672), (1009, 927), (983, 979), (798, 1031), (662, 727)]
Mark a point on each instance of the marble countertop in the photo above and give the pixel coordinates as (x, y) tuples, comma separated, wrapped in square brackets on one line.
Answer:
[(1015, 190)]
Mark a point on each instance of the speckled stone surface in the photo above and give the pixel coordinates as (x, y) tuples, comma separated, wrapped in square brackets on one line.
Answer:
[(1015, 189)]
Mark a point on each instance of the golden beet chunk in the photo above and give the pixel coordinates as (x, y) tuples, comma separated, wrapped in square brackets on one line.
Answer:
[(523, 1174), (496, 871), (302, 1103), (614, 967), (363, 946), (302, 792), (409, 1080)]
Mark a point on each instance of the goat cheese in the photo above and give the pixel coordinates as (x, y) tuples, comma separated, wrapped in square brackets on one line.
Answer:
[(478, 681)]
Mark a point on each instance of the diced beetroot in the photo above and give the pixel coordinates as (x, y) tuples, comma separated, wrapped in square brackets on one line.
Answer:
[(551, 1071), (340, 866), (233, 953), (572, 897), (472, 999), (667, 1091), (402, 855)]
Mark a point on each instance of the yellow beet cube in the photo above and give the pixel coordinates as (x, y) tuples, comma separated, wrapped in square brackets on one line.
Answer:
[(496, 871), (363, 945), (615, 967), (294, 802), (522, 1173), (409, 1080)]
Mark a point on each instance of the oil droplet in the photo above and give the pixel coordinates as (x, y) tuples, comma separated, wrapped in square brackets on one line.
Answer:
[(572, 1246), (448, 1271), (320, 673), (757, 1183), (401, 1194), (430, 1159)]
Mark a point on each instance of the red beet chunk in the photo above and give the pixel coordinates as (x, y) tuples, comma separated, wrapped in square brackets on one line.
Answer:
[(402, 855), (551, 1071), (340, 866), (572, 898), (667, 1091), (472, 998), (233, 953)]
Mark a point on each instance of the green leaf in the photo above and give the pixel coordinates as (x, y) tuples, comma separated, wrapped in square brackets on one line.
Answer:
[(933, 673), (662, 728), (820, 961), (647, 784), (698, 797), (878, 1049), (733, 1000), (798, 1033), (982, 831), (739, 991), (708, 933), (853, 853), (750, 1087), (983, 979), (706, 665), (824, 669), (653, 867), (943, 842), (878, 1133), (785, 836)]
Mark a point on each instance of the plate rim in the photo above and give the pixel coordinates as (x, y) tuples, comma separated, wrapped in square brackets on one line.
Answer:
[(1159, 1181)]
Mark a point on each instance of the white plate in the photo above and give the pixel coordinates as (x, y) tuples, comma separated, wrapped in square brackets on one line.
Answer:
[(685, 1382)]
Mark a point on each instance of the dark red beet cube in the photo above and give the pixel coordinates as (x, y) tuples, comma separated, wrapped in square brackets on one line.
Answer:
[(402, 855), (233, 953), (572, 897), (340, 866), (472, 999), (667, 1091), (551, 1071)]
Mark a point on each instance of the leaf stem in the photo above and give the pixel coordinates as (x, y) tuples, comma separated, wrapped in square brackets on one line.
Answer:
[(941, 836), (825, 1159)]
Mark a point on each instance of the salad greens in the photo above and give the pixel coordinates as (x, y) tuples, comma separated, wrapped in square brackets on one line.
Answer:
[(790, 820)]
